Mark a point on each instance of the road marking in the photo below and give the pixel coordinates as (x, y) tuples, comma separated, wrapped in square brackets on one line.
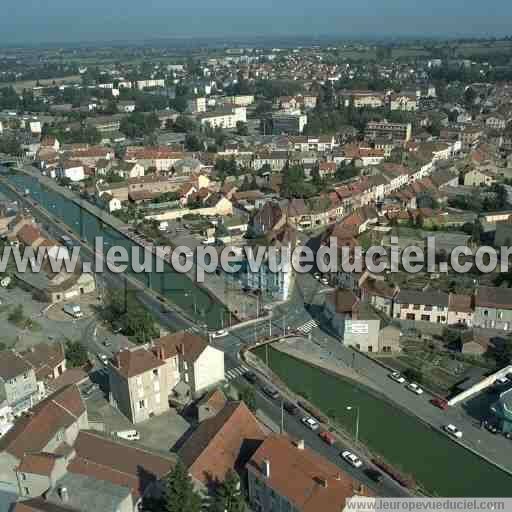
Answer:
[(234, 373), (308, 327)]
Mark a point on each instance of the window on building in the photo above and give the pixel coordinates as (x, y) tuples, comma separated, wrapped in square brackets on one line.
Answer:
[(486, 313), (142, 404), (26, 490), (370, 348), (155, 372), (425, 318), (23, 476)]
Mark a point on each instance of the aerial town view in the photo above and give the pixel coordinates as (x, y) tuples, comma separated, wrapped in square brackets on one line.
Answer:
[(255, 258)]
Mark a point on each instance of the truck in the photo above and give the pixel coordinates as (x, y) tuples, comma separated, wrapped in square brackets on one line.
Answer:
[(73, 310)]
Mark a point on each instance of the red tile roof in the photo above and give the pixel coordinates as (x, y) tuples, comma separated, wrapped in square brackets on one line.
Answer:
[(223, 442), (190, 346), (309, 481), (130, 363), (38, 463), (33, 431)]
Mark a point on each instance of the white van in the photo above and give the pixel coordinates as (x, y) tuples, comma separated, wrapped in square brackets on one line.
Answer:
[(128, 435)]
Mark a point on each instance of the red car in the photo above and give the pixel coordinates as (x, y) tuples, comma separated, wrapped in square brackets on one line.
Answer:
[(327, 437), (440, 402)]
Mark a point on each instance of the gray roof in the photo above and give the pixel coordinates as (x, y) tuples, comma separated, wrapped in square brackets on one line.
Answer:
[(12, 365), (88, 494), (426, 298)]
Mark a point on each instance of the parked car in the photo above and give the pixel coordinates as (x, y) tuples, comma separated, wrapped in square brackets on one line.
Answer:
[(291, 408), (397, 377), (352, 459), (415, 388), (316, 275), (271, 392), (103, 359), (439, 402), (492, 428), (324, 281), (327, 437), (251, 377), (310, 423), (373, 474), (453, 431), (220, 334)]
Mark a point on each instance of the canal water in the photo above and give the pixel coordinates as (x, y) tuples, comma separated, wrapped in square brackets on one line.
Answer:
[(177, 288), (441, 466)]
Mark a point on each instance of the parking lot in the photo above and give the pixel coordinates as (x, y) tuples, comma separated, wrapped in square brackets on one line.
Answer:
[(159, 434)]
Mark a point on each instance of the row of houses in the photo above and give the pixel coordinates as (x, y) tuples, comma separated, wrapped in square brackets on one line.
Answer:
[(488, 307)]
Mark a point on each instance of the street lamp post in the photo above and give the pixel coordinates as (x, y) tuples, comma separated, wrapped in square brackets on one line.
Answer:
[(194, 301), (351, 408)]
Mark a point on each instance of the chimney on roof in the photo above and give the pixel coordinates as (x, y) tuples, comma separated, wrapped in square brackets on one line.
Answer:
[(360, 489), (300, 444), (64, 494), (266, 468)]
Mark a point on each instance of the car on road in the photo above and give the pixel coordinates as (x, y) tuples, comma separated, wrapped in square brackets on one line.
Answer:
[(291, 408), (251, 377), (103, 359), (220, 334), (310, 423), (352, 458), (271, 392), (397, 377), (453, 431), (373, 474), (440, 403), (492, 428), (324, 281), (317, 276), (415, 388), (327, 437)]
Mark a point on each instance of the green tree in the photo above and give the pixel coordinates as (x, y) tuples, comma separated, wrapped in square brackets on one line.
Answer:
[(248, 396), (76, 354), (179, 494), (17, 315), (193, 142), (228, 497), (241, 128), (127, 313)]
